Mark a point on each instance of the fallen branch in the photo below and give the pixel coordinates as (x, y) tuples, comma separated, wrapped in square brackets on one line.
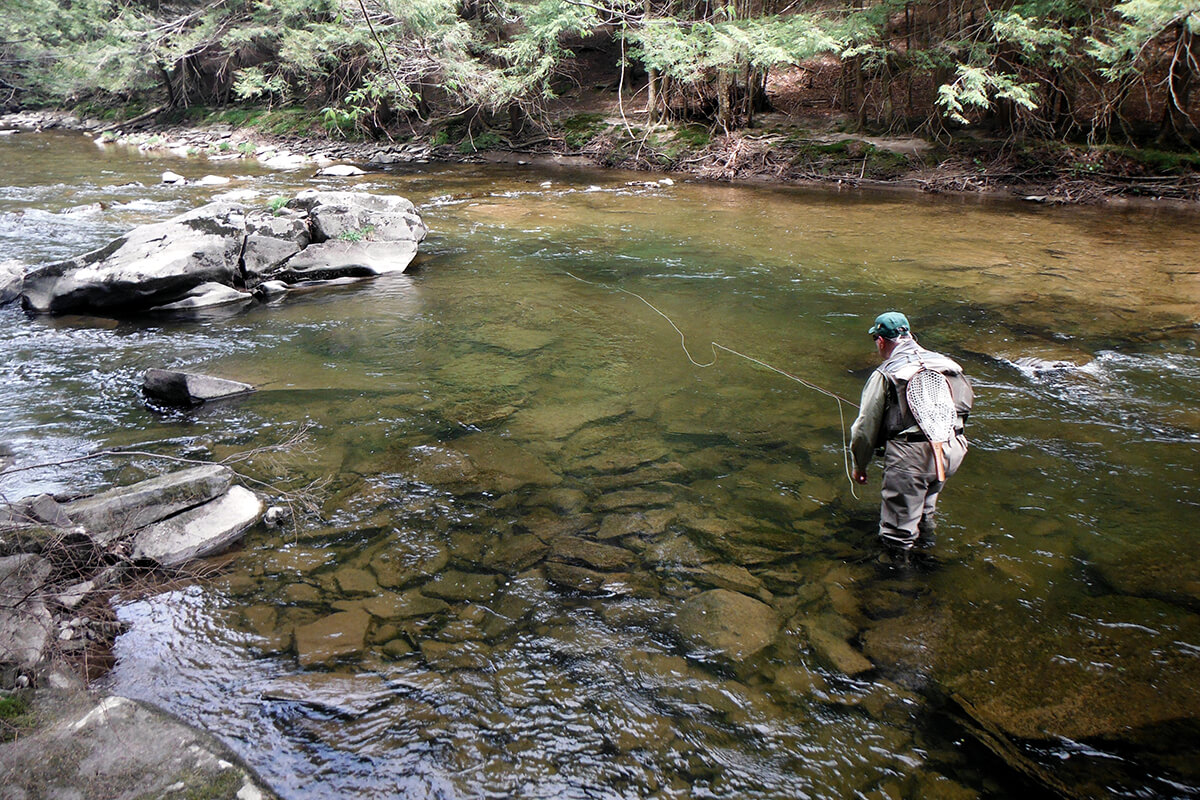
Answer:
[(135, 120)]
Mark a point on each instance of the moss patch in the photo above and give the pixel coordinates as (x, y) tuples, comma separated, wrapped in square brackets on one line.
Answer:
[(15, 717), (582, 128)]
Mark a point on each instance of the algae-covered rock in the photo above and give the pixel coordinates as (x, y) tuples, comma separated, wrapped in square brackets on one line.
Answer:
[(1100, 673), (603, 557), (332, 637), (729, 622)]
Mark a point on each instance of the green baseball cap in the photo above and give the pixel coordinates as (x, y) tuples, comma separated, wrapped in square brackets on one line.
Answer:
[(889, 325)]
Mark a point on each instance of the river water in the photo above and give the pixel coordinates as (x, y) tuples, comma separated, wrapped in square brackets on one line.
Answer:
[(510, 391)]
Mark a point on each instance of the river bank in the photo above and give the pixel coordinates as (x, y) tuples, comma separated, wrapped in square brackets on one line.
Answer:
[(781, 150)]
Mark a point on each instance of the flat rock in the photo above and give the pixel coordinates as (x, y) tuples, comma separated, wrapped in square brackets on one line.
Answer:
[(119, 512), (603, 557), (731, 623), (456, 587), (732, 577), (833, 650), (561, 420), (510, 466), (119, 749), (330, 638), (200, 531), (403, 605), (631, 498), (402, 563), (189, 389), (1132, 677)]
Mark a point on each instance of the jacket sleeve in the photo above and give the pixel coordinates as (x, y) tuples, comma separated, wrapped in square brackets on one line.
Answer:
[(865, 430)]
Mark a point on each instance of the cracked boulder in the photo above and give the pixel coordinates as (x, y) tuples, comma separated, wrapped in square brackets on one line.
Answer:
[(215, 253)]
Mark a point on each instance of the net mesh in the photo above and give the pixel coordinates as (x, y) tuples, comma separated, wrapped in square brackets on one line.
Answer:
[(932, 405)]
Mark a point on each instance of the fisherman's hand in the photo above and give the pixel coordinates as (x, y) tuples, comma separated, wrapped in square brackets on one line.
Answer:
[(860, 475)]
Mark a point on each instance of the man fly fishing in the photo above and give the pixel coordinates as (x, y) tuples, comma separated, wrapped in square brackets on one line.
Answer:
[(914, 407)]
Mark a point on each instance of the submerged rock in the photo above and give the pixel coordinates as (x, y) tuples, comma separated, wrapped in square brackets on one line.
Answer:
[(731, 623), (332, 637), (189, 389)]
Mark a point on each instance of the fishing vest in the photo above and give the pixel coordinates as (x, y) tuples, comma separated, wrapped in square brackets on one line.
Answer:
[(905, 362)]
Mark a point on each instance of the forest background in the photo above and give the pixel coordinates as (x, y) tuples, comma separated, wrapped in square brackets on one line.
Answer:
[(1042, 90)]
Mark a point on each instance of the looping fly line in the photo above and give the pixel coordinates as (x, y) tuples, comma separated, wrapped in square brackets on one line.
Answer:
[(714, 346)]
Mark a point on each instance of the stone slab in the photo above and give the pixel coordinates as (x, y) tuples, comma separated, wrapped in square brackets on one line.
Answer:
[(119, 512), (200, 531)]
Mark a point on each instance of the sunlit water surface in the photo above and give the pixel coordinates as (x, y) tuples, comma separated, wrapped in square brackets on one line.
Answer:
[(504, 394)]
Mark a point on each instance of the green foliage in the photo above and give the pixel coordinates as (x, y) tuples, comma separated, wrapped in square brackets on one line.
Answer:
[(975, 87), (484, 141), (276, 203), (1034, 61), (358, 234), (15, 716), (688, 52)]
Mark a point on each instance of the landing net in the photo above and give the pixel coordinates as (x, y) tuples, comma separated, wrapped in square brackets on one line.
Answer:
[(932, 406)]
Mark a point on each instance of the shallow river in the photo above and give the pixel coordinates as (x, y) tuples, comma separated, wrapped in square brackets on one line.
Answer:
[(467, 416)]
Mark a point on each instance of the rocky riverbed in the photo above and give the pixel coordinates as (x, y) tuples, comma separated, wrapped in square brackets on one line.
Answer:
[(61, 560)]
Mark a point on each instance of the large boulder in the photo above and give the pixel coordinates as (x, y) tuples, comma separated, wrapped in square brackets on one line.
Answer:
[(149, 266), (213, 254), (341, 214), (271, 240)]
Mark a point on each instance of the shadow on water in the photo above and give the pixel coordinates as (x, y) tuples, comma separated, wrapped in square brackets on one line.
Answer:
[(529, 487)]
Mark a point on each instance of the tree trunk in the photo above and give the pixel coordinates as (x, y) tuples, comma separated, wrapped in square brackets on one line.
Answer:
[(861, 90), (651, 96), (725, 114)]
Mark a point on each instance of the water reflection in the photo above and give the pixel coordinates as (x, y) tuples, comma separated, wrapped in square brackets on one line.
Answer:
[(528, 481)]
